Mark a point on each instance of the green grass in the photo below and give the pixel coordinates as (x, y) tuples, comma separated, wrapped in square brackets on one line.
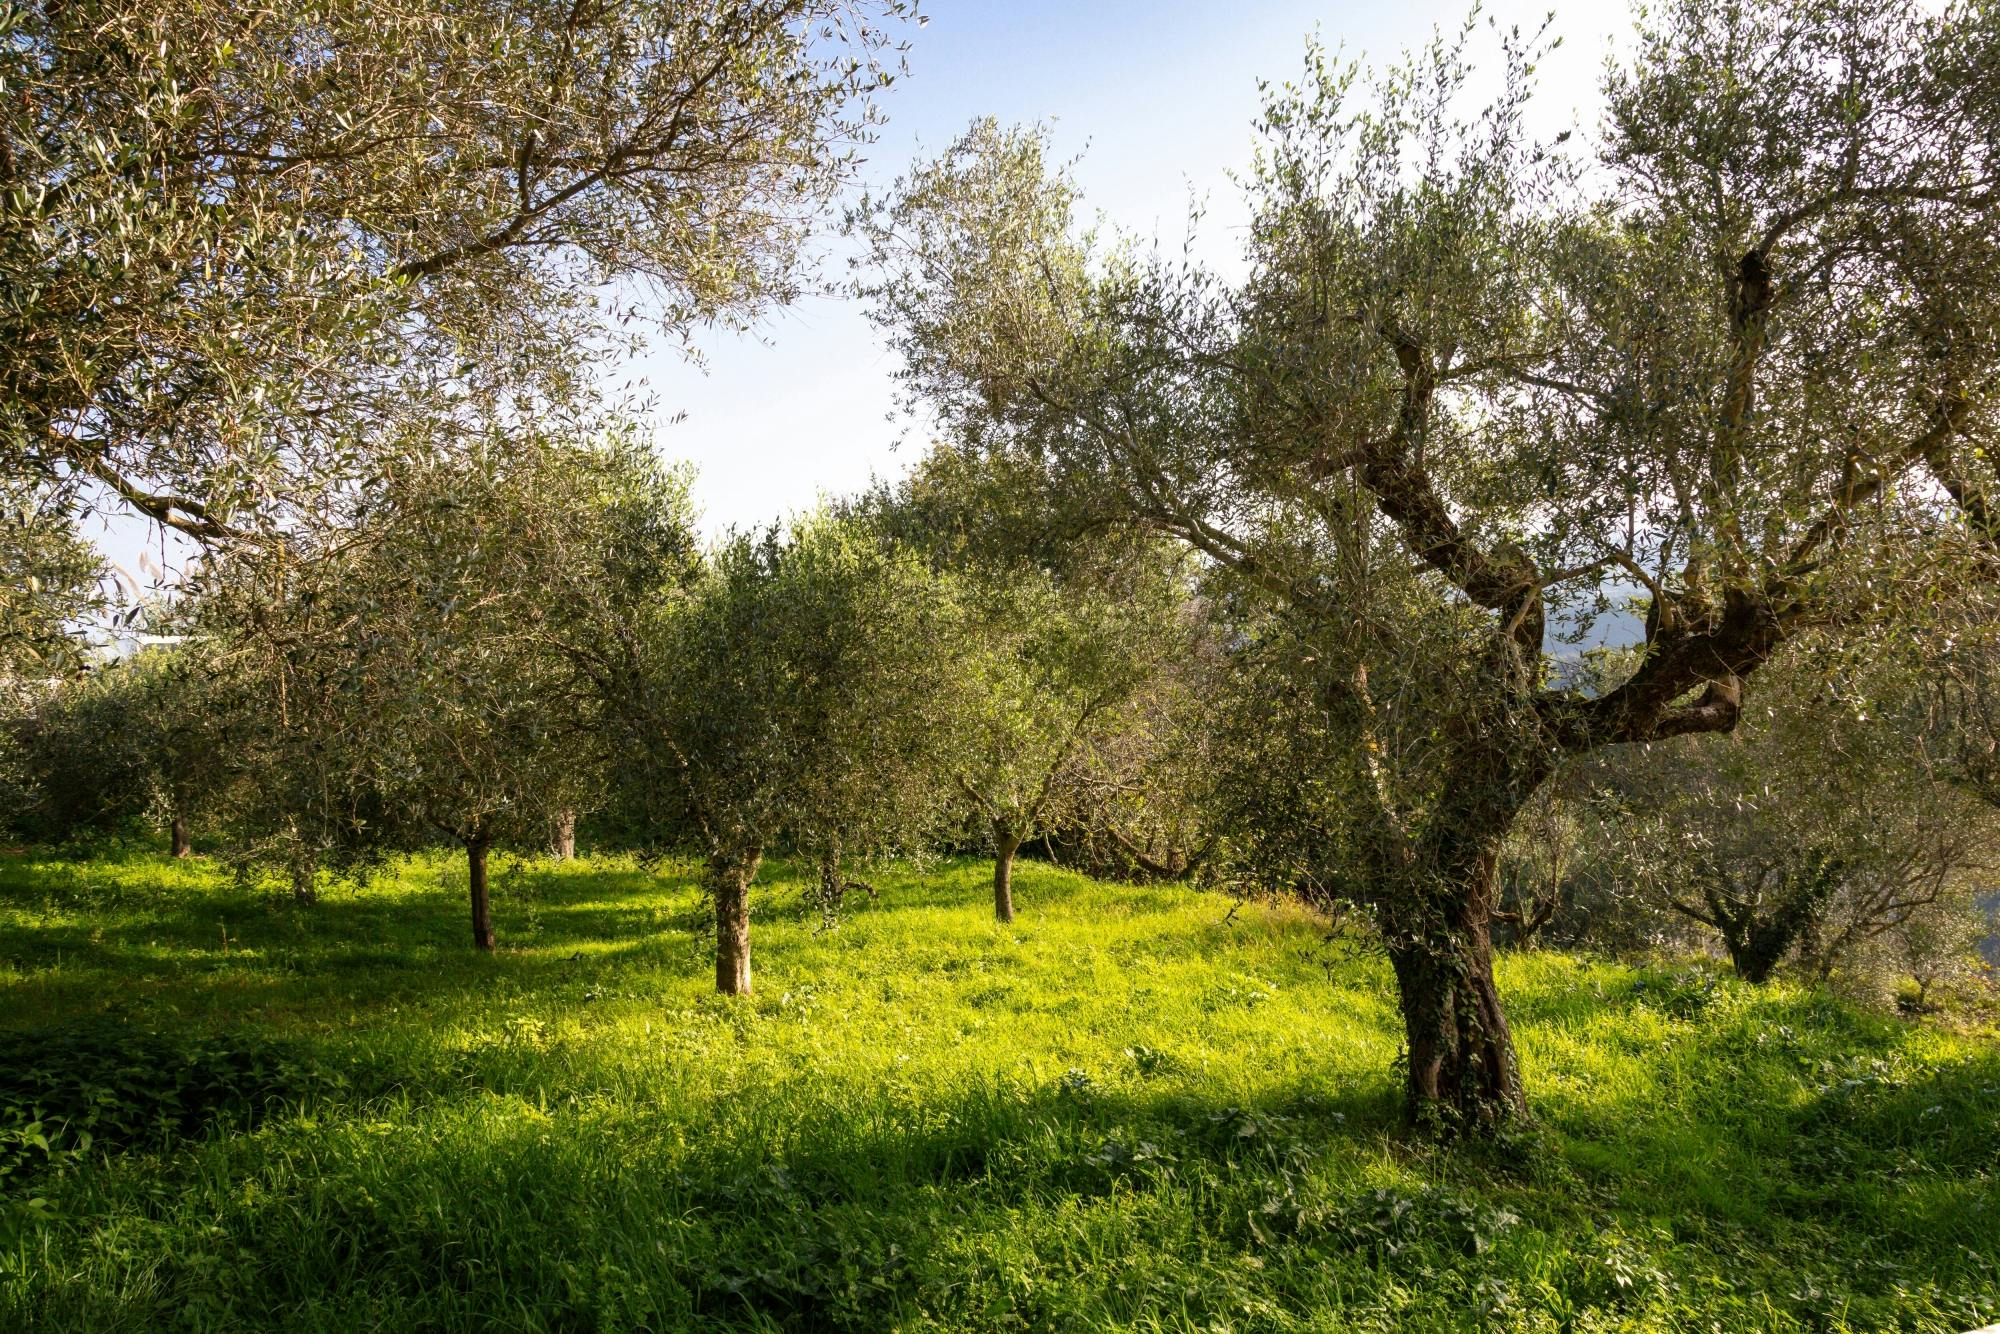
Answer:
[(1130, 1110)]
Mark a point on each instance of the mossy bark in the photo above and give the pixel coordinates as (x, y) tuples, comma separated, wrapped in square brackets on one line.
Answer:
[(1442, 888), (1759, 943)]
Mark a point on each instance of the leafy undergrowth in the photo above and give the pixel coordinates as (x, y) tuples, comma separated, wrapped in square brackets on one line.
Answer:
[(1130, 1110)]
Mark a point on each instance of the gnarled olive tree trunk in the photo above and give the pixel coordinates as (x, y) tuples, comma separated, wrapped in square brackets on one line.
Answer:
[(562, 841), (1438, 887), (729, 877), (1462, 1074), (1758, 941), (179, 843)]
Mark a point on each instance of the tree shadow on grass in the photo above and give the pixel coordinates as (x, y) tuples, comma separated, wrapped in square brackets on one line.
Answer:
[(143, 929), (837, 1223), (75, 944), (1947, 1122), (767, 1206), (61, 918), (1818, 1146), (849, 1205), (749, 1214)]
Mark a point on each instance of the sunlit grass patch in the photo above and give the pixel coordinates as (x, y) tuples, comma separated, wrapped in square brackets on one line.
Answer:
[(1129, 1109)]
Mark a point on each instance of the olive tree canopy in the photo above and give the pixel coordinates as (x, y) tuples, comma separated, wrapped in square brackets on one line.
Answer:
[(405, 678), (238, 238), (1816, 829), (790, 694)]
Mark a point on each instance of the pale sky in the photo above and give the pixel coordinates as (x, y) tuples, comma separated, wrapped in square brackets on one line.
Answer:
[(1155, 98)]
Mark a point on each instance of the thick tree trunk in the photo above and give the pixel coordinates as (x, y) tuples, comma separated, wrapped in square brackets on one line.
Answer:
[(1757, 945), (1753, 964), (178, 837), (563, 845), (482, 912), (1463, 1077), (1005, 844), (729, 878)]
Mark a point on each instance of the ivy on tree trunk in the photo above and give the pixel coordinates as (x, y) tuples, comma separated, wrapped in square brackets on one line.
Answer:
[(1462, 1073)]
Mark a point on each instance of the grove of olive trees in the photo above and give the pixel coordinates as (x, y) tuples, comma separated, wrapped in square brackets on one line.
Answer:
[(1468, 382), (1514, 563)]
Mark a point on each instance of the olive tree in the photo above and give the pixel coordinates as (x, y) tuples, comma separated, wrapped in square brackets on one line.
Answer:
[(183, 721), (1814, 830), (146, 737), (237, 240), (1051, 668), (50, 582), (869, 625), (404, 676), (1469, 382), (82, 759), (465, 728), (1078, 656), (1141, 800), (790, 696)]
